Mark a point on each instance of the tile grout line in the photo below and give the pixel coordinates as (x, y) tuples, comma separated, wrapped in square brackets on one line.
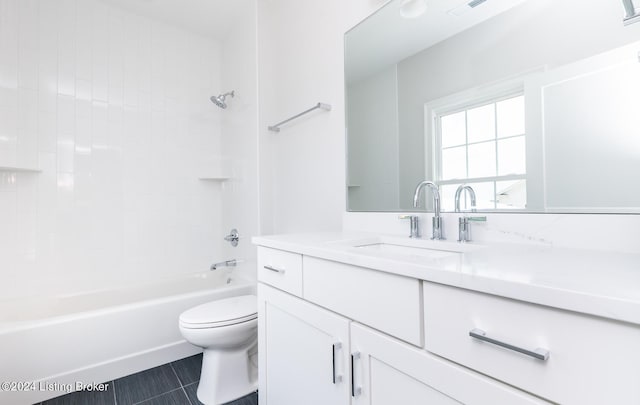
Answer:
[(176, 374), (157, 396), (185, 394), (115, 399), (180, 382)]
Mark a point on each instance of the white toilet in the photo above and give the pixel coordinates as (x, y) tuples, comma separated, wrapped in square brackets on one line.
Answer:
[(227, 330)]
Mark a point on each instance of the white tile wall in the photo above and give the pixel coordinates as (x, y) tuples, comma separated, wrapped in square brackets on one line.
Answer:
[(113, 108)]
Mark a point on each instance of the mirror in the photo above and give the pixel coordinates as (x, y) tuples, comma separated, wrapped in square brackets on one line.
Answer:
[(532, 103)]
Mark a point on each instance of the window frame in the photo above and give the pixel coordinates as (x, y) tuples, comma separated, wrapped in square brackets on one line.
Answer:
[(465, 101)]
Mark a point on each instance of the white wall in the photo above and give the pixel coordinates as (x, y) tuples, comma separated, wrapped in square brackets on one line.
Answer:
[(239, 142), (302, 168), (113, 108)]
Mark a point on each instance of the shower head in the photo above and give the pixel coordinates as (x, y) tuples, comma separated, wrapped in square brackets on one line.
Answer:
[(220, 100)]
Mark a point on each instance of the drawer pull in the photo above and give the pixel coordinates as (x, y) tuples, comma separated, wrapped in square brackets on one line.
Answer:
[(355, 391), (336, 346), (275, 270), (540, 354)]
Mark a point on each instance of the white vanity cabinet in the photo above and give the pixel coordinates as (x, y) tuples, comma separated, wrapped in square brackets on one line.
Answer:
[(303, 352), (314, 349), (281, 269), (381, 300), (589, 360), (389, 372)]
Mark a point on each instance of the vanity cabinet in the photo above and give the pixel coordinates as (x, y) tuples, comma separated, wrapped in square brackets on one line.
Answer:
[(381, 300), (281, 269), (354, 336), (389, 372), (303, 352), (589, 360)]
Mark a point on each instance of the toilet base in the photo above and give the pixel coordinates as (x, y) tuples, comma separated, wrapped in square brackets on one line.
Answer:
[(226, 376)]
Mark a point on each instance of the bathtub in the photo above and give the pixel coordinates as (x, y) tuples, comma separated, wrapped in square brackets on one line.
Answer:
[(48, 344)]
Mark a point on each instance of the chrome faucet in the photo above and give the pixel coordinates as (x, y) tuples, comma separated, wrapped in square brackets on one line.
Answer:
[(464, 228), (227, 263), (436, 232), (472, 195)]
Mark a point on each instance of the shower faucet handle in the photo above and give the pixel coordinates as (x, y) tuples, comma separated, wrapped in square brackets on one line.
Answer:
[(233, 237)]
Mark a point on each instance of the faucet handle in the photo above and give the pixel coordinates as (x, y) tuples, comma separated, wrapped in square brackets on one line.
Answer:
[(233, 237), (464, 228), (477, 219), (413, 220)]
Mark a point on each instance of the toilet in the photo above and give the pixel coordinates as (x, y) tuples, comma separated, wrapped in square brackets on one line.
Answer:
[(227, 330)]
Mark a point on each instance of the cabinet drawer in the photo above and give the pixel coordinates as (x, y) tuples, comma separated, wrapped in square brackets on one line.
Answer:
[(390, 303), (280, 269), (590, 360), (392, 372)]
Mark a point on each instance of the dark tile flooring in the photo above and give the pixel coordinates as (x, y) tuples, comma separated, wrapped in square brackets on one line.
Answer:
[(170, 384)]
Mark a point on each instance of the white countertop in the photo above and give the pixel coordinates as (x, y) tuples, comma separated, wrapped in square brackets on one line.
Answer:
[(605, 284)]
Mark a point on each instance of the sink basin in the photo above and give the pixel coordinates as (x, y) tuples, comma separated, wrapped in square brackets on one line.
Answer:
[(408, 250), (397, 247)]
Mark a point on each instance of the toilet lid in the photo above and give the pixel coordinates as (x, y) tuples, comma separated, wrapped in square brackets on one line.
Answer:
[(222, 312)]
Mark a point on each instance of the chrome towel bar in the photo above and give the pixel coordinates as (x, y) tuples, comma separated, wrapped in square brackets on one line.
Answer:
[(322, 106)]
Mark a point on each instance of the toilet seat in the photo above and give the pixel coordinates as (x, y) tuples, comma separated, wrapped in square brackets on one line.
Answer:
[(207, 325), (225, 312)]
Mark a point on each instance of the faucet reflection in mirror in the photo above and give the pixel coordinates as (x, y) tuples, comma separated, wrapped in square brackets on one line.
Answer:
[(464, 229), (436, 232)]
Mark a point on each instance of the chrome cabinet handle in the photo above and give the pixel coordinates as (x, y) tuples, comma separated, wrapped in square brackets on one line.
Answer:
[(281, 271), (354, 391), (540, 354), (334, 347)]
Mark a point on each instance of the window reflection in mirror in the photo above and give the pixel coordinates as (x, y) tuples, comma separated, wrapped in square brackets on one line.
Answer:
[(483, 146)]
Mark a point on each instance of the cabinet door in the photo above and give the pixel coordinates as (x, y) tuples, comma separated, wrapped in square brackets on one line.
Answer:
[(389, 372), (303, 352)]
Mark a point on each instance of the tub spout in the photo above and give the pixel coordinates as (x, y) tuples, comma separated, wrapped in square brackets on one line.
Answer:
[(228, 263)]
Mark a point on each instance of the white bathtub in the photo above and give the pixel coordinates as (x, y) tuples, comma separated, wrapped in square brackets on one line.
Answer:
[(97, 336)]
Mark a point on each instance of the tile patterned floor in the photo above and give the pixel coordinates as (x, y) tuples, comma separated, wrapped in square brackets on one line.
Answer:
[(170, 384)]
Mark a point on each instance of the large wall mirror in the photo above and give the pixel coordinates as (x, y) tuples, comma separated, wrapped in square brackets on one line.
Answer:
[(535, 104)]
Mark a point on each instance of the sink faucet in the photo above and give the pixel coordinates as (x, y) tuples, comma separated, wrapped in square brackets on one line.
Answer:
[(436, 232), (464, 228), (472, 195)]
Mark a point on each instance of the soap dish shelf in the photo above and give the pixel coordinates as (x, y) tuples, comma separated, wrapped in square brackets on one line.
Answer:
[(18, 169)]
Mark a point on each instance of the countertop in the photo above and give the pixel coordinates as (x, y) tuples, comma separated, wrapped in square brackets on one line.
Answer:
[(604, 284)]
